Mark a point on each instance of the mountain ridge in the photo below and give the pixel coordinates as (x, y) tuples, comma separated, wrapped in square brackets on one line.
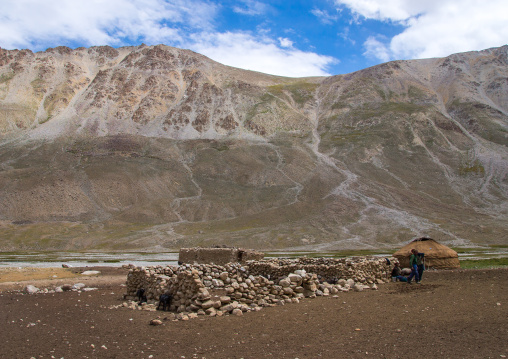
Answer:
[(185, 151)]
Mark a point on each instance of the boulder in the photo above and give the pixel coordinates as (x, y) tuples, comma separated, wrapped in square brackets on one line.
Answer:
[(238, 312), (66, 287), (78, 286), (211, 312), (286, 282), (225, 299), (31, 289)]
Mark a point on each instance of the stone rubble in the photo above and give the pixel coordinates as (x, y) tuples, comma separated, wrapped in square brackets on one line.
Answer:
[(237, 288), (77, 287)]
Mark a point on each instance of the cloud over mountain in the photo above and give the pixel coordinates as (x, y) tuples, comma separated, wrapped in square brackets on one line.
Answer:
[(433, 28)]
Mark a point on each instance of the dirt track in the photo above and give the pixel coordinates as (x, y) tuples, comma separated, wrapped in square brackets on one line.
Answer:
[(452, 314)]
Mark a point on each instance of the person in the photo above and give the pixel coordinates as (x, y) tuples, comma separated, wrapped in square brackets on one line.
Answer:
[(396, 273), (413, 262), (420, 262)]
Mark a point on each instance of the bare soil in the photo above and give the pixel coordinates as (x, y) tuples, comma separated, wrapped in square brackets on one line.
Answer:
[(452, 314)]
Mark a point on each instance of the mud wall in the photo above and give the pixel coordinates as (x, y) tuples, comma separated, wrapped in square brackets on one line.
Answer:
[(219, 256)]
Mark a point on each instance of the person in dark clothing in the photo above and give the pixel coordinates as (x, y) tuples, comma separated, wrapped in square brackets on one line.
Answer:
[(413, 262), (396, 273), (420, 262)]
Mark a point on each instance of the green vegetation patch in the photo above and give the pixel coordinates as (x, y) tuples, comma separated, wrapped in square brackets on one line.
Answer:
[(6, 77), (339, 105), (301, 91), (385, 107), (461, 250), (480, 118), (38, 84), (58, 99), (472, 168), (44, 120), (334, 254), (415, 93), (483, 263)]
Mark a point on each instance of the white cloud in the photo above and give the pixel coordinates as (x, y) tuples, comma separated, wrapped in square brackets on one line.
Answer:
[(375, 48), (345, 35), (35, 24), (261, 54), (396, 10), (251, 7), (434, 28), (324, 16), (285, 42)]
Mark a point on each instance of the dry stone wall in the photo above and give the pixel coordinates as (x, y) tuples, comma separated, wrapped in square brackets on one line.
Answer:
[(361, 269), (234, 288)]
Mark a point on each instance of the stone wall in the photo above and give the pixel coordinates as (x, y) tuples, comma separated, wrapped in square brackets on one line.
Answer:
[(360, 269), (213, 289), (219, 255)]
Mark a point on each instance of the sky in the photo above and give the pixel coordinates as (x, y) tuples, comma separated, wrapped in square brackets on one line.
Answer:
[(281, 37)]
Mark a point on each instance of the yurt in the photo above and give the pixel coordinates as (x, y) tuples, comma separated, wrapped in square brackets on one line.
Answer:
[(437, 255)]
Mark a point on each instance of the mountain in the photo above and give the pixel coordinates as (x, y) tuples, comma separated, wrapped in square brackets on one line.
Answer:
[(157, 148)]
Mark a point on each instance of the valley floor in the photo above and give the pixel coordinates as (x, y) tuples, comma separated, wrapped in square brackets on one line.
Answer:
[(452, 314)]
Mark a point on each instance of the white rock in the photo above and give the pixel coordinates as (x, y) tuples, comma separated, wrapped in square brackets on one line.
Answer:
[(91, 272), (78, 286), (31, 289)]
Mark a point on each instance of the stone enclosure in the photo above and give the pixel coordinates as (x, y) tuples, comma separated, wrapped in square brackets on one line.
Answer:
[(234, 288)]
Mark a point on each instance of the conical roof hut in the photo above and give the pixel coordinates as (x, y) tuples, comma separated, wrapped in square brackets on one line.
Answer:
[(437, 255)]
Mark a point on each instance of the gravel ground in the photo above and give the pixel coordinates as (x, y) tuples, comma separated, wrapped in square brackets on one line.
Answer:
[(452, 314)]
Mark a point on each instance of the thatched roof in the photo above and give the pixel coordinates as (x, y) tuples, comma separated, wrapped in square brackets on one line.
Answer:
[(437, 255)]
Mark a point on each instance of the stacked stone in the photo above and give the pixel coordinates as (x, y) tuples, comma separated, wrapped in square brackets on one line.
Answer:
[(361, 269), (188, 291), (154, 280), (215, 290), (217, 276)]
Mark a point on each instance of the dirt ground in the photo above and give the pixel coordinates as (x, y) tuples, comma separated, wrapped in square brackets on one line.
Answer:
[(452, 314)]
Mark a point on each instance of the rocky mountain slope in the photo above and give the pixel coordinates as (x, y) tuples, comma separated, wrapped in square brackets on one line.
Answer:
[(158, 148)]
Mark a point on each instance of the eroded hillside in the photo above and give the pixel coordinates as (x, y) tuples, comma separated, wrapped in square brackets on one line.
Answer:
[(149, 147)]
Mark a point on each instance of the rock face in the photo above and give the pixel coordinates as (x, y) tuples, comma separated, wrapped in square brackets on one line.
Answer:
[(142, 147)]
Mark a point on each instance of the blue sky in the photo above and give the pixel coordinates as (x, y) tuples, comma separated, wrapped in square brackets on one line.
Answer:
[(288, 38)]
